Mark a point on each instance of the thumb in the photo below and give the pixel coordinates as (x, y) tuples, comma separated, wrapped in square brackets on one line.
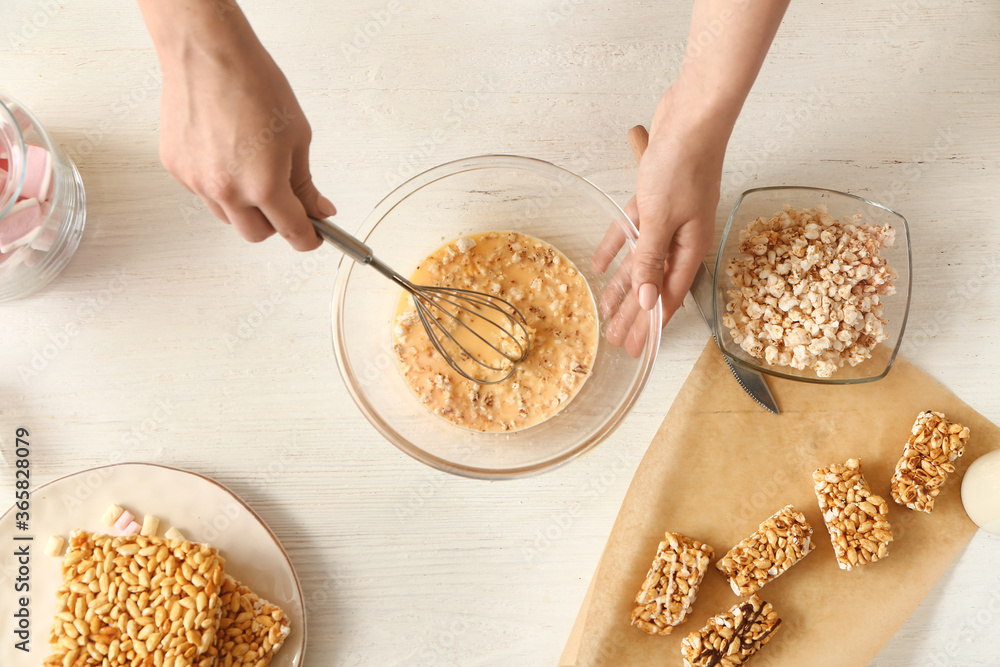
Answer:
[(316, 205), (649, 261)]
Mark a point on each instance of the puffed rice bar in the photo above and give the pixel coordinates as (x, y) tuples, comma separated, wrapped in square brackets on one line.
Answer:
[(672, 583), (781, 541), (733, 637), (928, 457), (856, 518), (251, 629), (136, 600)]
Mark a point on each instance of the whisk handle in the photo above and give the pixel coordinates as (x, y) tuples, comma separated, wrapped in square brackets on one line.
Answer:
[(350, 246)]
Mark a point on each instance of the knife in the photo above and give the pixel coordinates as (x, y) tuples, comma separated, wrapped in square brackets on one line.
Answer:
[(703, 292), (750, 379)]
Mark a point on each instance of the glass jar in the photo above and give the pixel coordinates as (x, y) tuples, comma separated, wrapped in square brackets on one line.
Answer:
[(42, 203)]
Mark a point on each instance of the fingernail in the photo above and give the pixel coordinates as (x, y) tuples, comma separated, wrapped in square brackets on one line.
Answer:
[(325, 206), (647, 296)]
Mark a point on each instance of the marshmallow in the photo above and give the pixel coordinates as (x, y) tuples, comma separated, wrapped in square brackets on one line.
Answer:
[(45, 239), (21, 117), (21, 225), (7, 256), (32, 257), (132, 528), (55, 545), (13, 258), (150, 524), (37, 173), (174, 534), (111, 514), (122, 522)]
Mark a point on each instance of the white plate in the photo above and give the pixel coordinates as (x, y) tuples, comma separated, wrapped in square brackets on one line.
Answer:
[(202, 509)]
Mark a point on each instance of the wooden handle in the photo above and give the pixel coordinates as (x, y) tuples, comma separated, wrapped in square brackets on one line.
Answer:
[(638, 137)]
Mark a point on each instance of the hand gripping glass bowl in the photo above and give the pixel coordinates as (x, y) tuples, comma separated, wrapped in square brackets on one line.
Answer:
[(765, 202), (479, 194)]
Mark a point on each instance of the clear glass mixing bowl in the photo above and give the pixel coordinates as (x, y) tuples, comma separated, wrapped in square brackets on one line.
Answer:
[(478, 194)]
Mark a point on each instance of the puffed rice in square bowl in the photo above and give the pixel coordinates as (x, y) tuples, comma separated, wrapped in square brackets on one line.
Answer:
[(812, 284)]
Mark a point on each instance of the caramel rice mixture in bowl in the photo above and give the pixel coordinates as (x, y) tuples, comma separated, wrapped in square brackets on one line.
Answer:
[(560, 313)]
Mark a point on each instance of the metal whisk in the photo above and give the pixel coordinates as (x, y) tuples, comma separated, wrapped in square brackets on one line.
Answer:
[(445, 310)]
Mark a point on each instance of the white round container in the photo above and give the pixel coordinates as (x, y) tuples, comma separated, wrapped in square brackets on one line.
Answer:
[(981, 492)]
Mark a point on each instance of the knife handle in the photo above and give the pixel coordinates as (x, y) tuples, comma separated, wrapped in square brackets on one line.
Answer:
[(638, 138)]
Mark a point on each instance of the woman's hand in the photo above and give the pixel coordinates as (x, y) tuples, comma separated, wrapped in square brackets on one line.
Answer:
[(680, 174), (674, 208), (232, 131)]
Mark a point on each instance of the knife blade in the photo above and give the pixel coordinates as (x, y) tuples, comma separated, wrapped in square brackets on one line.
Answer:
[(751, 380)]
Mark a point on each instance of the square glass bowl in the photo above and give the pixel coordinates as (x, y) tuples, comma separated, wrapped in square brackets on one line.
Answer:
[(765, 202), (479, 194)]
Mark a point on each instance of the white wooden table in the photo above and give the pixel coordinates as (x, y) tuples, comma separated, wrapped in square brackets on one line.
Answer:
[(183, 358)]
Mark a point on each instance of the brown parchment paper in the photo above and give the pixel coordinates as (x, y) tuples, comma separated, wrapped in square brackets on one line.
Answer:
[(720, 464)]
